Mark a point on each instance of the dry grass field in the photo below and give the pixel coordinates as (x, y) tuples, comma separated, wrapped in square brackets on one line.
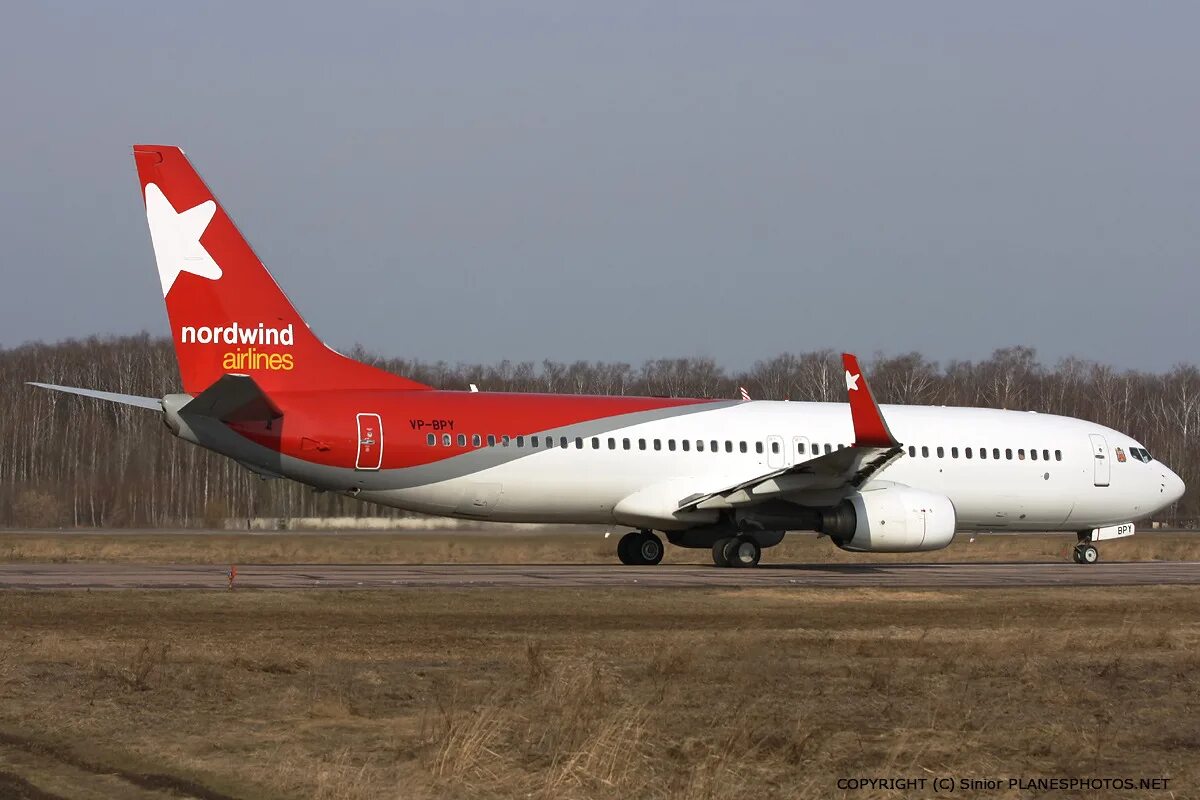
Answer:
[(593, 693), (552, 546)]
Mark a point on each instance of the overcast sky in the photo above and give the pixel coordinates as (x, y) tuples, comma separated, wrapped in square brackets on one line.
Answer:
[(473, 182)]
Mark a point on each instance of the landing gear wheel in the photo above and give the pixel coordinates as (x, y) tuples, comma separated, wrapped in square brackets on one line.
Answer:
[(1076, 556), (1088, 554), (745, 552), (627, 548), (640, 548), (729, 550), (718, 551), (649, 549)]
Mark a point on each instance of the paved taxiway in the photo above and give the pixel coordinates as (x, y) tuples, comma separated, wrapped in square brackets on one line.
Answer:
[(394, 576)]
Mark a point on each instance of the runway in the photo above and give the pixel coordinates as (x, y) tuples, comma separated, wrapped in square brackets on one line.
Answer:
[(483, 576)]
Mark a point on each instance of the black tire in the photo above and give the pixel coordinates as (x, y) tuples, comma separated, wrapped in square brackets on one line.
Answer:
[(718, 553), (1077, 556), (744, 552), (627, 548), (1088, 554), (729, 550), (648, 549)]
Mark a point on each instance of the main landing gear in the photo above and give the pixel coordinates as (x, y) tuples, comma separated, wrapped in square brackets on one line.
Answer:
[(640, 548), (736, 551)]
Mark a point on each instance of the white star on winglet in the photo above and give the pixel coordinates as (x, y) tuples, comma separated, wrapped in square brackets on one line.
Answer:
[(176, 238), (852, 382)]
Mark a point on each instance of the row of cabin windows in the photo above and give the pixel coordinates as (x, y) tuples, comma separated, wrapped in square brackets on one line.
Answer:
[(714, 446), (968, 452), (449, 440)]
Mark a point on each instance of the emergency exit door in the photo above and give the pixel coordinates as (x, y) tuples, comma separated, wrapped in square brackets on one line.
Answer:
[(1100, 459), (370, 442)]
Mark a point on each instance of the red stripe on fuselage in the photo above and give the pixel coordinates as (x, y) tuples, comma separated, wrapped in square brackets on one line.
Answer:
[(322, 427)]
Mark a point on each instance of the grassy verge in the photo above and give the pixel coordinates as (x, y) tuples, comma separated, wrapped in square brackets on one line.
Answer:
[(599, 693), (554, 547)]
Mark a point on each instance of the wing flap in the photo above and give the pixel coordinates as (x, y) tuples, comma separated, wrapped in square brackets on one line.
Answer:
[(873, 450)]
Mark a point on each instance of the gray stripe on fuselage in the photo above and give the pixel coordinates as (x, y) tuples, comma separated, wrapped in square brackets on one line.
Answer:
[(213, 434)]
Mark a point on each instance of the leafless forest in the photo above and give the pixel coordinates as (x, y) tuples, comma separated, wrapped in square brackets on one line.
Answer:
[(67, 461)]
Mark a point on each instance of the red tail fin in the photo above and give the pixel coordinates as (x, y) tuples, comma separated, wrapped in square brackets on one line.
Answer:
[(227, 313)]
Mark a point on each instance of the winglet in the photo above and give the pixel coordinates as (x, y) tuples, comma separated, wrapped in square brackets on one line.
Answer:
[(870, 430)]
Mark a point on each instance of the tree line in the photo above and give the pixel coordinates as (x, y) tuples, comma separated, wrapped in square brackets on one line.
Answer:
[(70, 461)]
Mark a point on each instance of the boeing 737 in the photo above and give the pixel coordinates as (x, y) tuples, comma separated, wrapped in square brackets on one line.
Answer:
[(732, 476)]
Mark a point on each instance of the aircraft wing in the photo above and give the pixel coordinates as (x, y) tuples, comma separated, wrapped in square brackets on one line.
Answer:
[(873, 450)]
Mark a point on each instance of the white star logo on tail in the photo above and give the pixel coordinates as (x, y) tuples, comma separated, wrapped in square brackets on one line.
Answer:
[(176, 238), (852, 382)]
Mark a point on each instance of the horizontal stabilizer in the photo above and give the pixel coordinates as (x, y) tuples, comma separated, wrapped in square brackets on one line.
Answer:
[(113, 397), (233, 398)]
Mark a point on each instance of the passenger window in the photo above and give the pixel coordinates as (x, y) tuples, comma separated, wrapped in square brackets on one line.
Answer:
[(533, 441), (924, 451), (491, 440), (504, 441), (578, 442), (983, 452), (699, 445), (800, 448), (671, 445), (687, 445), (625, 444), (758, 448), (1033, 454), (641, 444), (562, 442), (475, 440), (1021, 454), (828, 449), (996, 453), (1045, 455), (612, 444), (742, 447), (941, 453), (728, 446), (431, 440), (816, 451), (658, 444), (595, 443), (912, 451), (462, 440), (714, 446), (520, 441), (1058, 455), (775, 447), (967, 452), (954, 452), (445, 440), (1008, 453)]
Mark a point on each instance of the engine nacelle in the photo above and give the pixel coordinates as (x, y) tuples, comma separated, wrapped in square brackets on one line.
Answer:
[(895, 519)]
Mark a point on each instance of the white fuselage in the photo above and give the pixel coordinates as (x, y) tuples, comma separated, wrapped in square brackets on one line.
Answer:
[(637, 475)]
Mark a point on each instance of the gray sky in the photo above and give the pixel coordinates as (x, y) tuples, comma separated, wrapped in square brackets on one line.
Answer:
[(474, 182)]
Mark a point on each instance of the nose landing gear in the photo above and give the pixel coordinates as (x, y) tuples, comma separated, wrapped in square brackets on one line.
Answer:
[(1085, 552), (640, 548)]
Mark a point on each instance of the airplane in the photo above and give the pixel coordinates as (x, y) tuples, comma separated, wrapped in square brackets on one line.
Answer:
[(732, 476)]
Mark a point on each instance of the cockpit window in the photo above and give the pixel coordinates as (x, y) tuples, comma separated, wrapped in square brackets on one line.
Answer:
[(1141, 454)]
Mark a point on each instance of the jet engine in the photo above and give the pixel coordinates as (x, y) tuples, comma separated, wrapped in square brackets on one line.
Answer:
[(895, 519)]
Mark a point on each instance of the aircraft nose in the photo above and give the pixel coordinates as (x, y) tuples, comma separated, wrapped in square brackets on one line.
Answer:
[(1172, 486)]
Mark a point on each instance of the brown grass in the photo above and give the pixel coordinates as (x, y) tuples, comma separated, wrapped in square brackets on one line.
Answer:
[(551, 547), (595, 693)]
